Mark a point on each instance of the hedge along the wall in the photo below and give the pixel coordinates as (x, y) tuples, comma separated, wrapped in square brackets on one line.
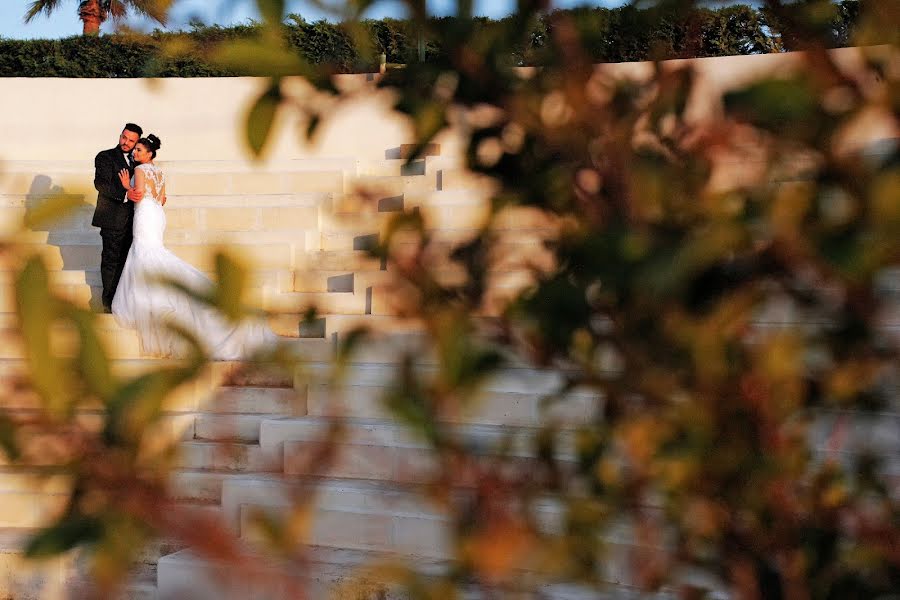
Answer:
[(609, 35)]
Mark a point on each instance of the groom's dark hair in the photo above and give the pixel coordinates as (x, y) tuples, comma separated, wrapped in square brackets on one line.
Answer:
[(135, 128)]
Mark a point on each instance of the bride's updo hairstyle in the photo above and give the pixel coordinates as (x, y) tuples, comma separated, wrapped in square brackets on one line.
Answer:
[(151, 143)]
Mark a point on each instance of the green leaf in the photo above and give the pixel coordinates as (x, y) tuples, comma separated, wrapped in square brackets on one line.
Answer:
[(232, 278), (51, 210), (272, 11), (312, 126), (261, 117), (464, 363), (92, 360), (37, 309), (8, 439), (429, 119), (70, 532), (408, 399), (781, 106), (350, 341), (139, 401), (260, 59)]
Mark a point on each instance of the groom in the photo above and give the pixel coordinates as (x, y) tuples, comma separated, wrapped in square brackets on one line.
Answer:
[(114, 213)]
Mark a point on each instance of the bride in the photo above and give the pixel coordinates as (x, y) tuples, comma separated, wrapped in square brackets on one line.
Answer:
[(144, 304)]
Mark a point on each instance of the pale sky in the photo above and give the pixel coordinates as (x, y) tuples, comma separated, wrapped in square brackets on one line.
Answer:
[(64, 21)]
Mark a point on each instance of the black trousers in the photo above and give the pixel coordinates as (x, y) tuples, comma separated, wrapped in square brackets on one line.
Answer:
[(116, 243)]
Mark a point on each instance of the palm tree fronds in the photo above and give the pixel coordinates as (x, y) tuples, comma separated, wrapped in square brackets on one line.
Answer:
[(117, 9), (40, 6), (158, 10)]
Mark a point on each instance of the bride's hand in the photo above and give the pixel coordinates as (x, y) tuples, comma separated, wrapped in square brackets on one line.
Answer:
[(125, 178)]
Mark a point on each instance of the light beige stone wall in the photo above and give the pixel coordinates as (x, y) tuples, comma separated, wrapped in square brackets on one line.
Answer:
[(197, 119), (202, 118)]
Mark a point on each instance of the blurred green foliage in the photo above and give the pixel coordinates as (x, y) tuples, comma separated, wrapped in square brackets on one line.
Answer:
[(607, 35), (727, 286)]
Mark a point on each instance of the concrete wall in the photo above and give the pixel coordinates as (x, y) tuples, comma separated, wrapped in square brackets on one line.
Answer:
[(202, 119)]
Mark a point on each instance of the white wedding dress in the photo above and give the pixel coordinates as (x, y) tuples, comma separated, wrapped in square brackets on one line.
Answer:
[(144, 304)]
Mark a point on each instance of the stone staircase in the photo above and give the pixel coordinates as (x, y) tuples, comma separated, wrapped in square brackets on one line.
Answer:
[(244, 444), (305, 226)]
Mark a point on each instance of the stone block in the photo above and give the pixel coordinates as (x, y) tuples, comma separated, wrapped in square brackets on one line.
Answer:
[(254, 400), (224, 456), (193, 486), (230, 219), (345, 529), (243, 428), (290, 218), (198, 183), (182, 218), (22, 579), (325, 302), (30, 509), (462, 179), (422, 536), (494, 408), (352, 461), (315, 181)]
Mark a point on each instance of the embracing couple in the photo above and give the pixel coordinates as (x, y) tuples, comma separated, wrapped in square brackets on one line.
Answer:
[(130, 215)]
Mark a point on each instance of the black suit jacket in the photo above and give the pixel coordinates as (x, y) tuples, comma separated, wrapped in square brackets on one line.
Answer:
[(111, 211)]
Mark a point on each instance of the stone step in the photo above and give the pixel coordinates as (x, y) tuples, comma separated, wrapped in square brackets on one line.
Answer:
[(337, 260), (183, 182), (850, 432), (139, 586), (250, 214), (232, 427), (348, 164), (272, 279), (86, 200), (123, 343), (200, 486), (246, 400), (368, 238), (361, 514), (382, 348), (176, 425), (376, 362), (488, 407), (82, 295), (407, 533), (338, 281), (381, 186), (347, 514), (118, 343), (459, 178), (394, 167), (335, 324), (388, 450), (236, 373), (325, 302), (206, 240), (197, 455), (344, 573), (327, 573), (383, 517), (30, 507), (263, 255), (23, 579), (256, 183), (122, 367)]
